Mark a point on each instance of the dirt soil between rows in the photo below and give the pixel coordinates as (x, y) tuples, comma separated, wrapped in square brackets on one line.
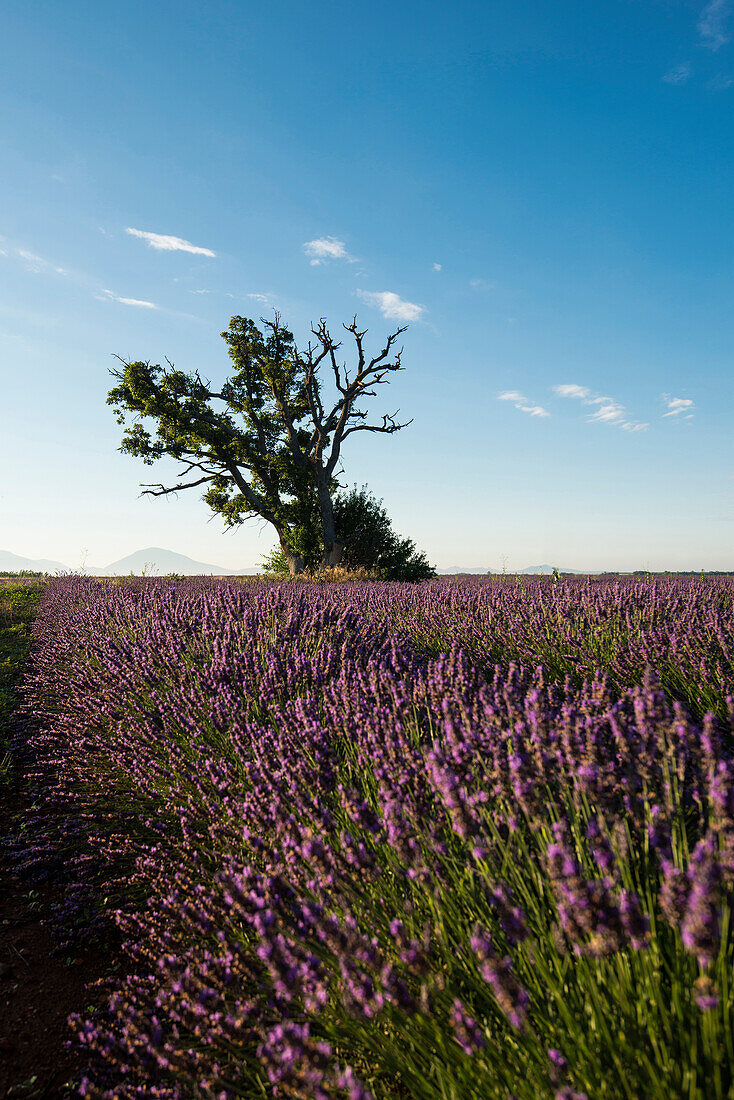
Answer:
[(39, 986)]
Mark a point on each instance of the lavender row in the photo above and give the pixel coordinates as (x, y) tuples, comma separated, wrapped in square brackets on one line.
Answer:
[(354, 849)]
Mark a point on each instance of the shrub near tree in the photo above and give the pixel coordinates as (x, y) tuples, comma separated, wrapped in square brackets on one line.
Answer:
[(364, 529)]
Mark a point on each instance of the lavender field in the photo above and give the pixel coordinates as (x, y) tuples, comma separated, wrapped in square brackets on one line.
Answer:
[(464, 839)]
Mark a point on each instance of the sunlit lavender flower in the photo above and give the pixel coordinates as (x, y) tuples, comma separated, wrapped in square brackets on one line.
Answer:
[(512, 998), (467, 1032), (589, 916), (673, 895), (636, 924), (706, 995), (292, 1058), (558, 1061), (700, 924)]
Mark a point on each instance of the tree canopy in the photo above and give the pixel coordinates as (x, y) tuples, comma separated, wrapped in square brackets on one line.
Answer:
[(267, 443)]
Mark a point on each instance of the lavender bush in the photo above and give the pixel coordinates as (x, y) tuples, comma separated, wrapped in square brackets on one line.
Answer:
[(465, 839)]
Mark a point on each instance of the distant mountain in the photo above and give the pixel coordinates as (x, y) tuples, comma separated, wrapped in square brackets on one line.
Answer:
[(464, 569), (546, 570), (153, 560), (157, 561), (13, 563), (542, 570)]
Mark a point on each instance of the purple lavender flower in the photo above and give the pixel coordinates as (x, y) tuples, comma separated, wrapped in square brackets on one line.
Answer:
[(557, 1060), (511, 997), (700, 923), (467, 1032), (291, 782), (706, 994)]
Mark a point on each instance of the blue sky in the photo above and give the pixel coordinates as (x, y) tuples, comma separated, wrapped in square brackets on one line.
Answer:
[(543, 190)]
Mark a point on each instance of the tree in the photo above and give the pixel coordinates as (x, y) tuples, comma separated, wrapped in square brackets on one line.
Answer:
[(267, 443), (364, 528)]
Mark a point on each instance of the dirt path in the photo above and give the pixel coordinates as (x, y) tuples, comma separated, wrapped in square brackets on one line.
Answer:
[(39, 987)]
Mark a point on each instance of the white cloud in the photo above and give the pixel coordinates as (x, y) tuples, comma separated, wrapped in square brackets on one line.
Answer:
[(108, 296), (522, 403), (712, 24), (481, 284), (608, 410), (260, 298), (571, 390), (392, 305), (679, 406), (437, 267), (679, 75), (326, 248), (164, 243)]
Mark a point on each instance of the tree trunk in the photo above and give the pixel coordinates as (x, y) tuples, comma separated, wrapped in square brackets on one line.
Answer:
[(296, 562), (333, 548), (335, 554)]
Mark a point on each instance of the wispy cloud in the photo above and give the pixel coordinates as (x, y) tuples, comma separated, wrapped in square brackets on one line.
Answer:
[(264, 299), (679, 406), (37, 264), (108, 296), (522, 403), (481, 284), (437, 267), (392, 305), (323, 249), (33, 261), (678, 75), (713, 24), (607, 410), (164, 243)]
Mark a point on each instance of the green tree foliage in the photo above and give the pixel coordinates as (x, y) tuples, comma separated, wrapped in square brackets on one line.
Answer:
[(267, 443), (365, 529)]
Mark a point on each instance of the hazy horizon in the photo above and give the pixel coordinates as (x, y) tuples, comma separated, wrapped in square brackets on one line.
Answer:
[(150, 560), (541, 191)]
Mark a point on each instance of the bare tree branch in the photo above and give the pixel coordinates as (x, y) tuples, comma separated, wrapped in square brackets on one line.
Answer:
[(388, 426), (158, 490)]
